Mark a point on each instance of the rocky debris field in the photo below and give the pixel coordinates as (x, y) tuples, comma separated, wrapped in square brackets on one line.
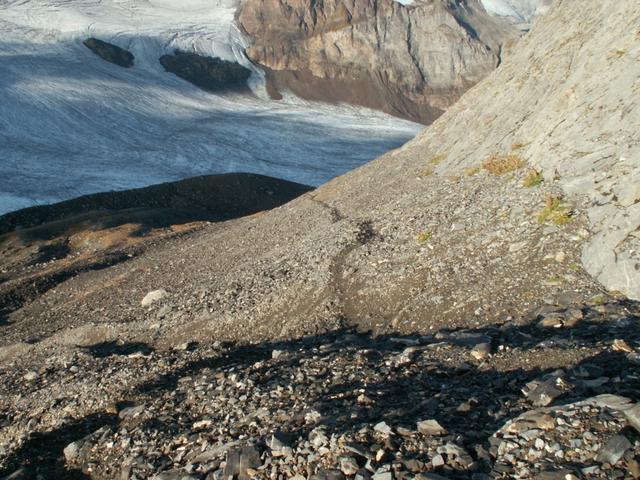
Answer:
[(549, 396)]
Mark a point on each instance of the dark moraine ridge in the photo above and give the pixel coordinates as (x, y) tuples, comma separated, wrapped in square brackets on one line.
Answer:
[(209, 73), (210, 197), (109, 52)]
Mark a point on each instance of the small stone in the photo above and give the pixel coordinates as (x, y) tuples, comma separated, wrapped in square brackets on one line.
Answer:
[(362, 475), (544, 393), (72, 451), (174, 475), (633, 416), (431, 427), (551, 320), (278, 441), (613, 450), (358, 450), (633, 466), (383, 476), (552, 475), (131, 412), (466, 407), (185, 346), (349, 466), (437, 461), (318, 438), (328, 475), (277, 354), (634, 358), (240, 460), (30, 376), (405, 432), (153, 297), (621, 346), (481, 351), (383, 428)]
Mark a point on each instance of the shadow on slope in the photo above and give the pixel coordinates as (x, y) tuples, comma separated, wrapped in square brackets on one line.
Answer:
[(353, 381)]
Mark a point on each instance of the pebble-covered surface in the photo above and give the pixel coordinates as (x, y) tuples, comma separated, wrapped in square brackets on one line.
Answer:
[(485, 403)]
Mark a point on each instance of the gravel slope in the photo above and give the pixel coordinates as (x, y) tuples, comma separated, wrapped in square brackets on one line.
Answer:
[(482, 226)]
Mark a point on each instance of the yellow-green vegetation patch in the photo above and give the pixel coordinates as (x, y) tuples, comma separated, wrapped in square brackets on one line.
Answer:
[(471, 171), (436, 159), (519, 145), (553, 281), (425, 172), (599, 299), (501, 164), (555, 211), (533, 178), (424, 236)]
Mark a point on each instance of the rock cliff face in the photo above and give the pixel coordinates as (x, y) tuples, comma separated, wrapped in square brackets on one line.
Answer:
[(409, 60)]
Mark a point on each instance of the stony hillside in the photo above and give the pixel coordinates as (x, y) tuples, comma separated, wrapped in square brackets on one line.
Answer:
[(462, 306)]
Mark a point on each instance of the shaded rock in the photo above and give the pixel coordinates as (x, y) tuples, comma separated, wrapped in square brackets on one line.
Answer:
[(72, 451), (174, 475), (109, 52), (633, 416), (431, 427), (153, 297), (383, 428), (614, 450), (481, 351), (328, 475), (553, 475), (239, 461), (349, 466)]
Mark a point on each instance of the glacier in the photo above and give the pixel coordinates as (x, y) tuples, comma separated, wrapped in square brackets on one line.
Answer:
[(73, 124), (519, 10)]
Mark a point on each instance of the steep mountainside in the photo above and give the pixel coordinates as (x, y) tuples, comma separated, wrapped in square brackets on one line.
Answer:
[(493, 262), (412, 60)]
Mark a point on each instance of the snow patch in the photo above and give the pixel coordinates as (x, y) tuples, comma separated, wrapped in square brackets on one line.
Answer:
[(521, 10)]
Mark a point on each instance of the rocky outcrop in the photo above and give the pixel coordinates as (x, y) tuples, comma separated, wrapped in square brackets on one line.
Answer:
[(409, 60), (209, 73), (578, 128), (109, 52)]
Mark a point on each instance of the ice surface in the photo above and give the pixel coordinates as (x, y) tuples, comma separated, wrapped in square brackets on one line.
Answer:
[(71, 123), (523, 10)]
